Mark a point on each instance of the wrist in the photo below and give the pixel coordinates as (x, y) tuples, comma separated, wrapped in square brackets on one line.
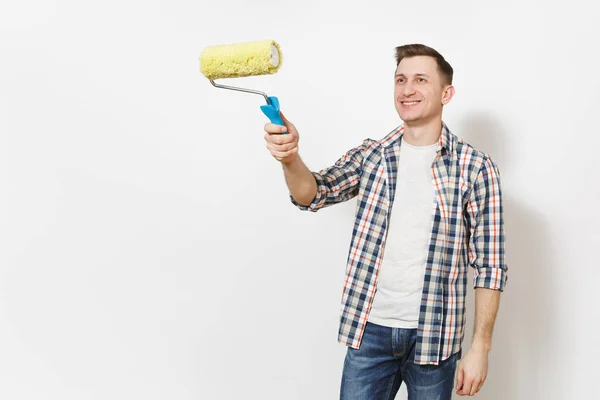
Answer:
[(290, 162), (481, 346)]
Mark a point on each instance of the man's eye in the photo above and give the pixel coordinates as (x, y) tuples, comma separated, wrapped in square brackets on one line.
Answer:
[(421, 79)]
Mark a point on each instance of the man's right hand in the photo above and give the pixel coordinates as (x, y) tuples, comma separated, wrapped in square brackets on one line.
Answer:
[(284, 147)]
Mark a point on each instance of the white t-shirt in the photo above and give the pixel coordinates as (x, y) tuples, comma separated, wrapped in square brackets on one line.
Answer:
[(400, 281)]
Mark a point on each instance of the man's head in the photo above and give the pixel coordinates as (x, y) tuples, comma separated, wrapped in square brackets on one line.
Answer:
[(423, 84)]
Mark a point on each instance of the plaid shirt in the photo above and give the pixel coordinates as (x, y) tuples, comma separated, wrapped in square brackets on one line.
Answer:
[(467, 230)]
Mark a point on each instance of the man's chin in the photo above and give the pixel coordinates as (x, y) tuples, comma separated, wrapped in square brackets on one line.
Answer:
[(410, 118)]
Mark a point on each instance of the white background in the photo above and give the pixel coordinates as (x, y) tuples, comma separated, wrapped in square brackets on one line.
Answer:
[(148, 247)]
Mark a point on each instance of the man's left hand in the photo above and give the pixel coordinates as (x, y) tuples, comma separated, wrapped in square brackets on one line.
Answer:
[(472, 372)]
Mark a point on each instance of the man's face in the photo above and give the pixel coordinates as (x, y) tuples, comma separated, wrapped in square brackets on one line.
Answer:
[(419, 92)]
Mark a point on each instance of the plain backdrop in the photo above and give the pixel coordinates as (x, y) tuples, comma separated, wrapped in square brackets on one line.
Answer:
[(148, 246)]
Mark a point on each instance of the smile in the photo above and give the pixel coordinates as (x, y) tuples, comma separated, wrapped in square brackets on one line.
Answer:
[(410, 103)]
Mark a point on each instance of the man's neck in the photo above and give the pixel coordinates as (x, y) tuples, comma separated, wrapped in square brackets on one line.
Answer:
[(423, 133)]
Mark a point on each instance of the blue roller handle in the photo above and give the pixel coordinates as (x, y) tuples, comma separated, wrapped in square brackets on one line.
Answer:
[(272, 111)]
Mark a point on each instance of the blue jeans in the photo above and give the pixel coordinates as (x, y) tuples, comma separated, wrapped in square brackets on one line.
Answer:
[(386, 359)]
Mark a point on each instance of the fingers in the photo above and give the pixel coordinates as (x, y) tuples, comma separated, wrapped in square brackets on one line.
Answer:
[(290, 127), (469, 386), (279, 139), (283, 147), (460, 375), (281, 150), (275, 129), (481, 381), (466, 387), (463, 383), (471, 374), (278, 130), (474, 388), (283, 155)]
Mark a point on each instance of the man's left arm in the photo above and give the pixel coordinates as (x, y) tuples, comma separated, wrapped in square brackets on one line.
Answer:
[(486, 256)]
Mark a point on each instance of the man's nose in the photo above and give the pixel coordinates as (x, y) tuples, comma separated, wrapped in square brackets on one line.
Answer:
[(408, 89)]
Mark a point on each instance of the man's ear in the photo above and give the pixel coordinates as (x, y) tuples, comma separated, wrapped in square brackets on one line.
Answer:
[(448, 94)]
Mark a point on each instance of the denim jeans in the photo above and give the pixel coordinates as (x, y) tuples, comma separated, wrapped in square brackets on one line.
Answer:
[(385, 360)]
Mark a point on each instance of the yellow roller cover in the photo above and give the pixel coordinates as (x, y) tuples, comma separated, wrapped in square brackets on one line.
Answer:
[(243, 59)]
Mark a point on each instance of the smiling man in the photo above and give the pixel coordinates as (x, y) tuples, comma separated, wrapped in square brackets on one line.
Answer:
[(429, 206)]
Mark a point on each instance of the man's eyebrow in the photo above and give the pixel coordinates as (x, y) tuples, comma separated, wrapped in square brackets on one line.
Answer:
[(419, 74)]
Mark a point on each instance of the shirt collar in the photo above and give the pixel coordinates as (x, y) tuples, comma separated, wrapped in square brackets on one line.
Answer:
[(395, 136)]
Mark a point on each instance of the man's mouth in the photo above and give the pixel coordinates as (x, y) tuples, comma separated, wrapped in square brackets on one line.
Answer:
[(410, 103)]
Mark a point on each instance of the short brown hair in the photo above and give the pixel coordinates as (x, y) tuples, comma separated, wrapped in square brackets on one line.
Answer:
[(414, 50)]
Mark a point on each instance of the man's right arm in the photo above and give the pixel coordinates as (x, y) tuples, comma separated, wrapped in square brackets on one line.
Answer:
[(313, 190), (300, 181)]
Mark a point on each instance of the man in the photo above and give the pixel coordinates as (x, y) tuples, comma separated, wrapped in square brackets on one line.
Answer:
[(428, 206)]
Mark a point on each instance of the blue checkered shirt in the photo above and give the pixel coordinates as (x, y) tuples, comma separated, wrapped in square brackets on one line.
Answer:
[(467, 230)]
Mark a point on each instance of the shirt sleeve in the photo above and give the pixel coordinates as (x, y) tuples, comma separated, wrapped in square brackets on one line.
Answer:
[(486, 242), (337, 183)]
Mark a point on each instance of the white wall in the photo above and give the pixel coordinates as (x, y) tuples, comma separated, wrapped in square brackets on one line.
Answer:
[(148, 248)]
